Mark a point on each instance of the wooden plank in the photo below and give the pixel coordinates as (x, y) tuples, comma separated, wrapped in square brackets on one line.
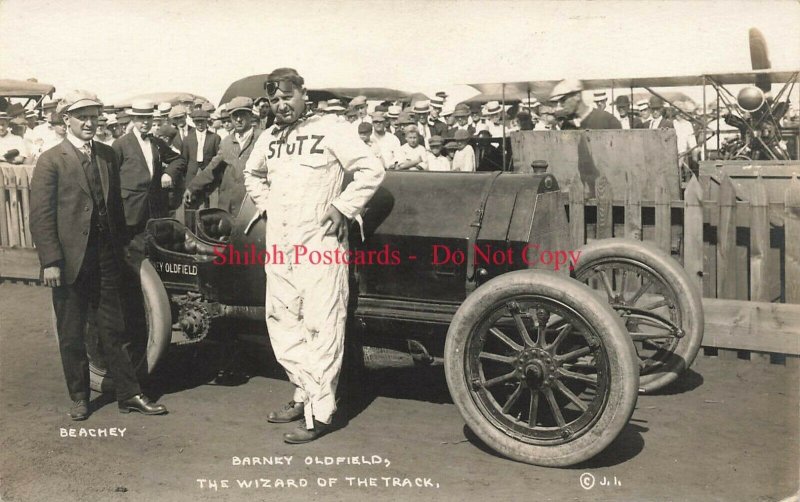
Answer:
[(792, 239), (604, 211), (610, 153), (633, 207), (741, 250), (577, 229), (711, 223), (759, 242), (663, 215), (23, 179), (18, 263), (693, 232), (726, 241), (3, 215), (748, 325), (13, 207)]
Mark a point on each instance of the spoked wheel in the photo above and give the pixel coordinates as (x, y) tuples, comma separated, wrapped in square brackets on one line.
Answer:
[(540, 368), (661, 308)]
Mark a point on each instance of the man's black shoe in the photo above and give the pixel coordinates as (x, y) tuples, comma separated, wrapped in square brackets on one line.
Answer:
[(289, 413), (79, 410), (302, 435), (142, 404)]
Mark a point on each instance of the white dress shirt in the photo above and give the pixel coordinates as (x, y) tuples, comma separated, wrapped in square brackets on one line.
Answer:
[(201, 142), (147, 150)]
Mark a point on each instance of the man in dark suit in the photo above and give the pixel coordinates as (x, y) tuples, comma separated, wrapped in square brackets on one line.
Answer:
[(626, 117), (78, 225), (659, 119), (144, 180), (199, 147), (567, 94), (227, 167), (177, 115)]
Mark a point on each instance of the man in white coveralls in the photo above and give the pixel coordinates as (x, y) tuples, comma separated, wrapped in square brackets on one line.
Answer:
[(295, 175)]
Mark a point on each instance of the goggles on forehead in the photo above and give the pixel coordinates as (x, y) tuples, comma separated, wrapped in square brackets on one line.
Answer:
[(273, 86)]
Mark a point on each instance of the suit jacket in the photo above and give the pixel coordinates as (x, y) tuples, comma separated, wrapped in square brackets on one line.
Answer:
[(178, 141), (226, 170), (61, 206), (142, 195), (189, 152), (664, 124)]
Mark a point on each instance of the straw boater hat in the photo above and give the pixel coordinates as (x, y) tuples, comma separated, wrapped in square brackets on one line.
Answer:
[(142, 108), (599, 96), (393, 112), (422, 106), (437, 102), (642, 105), (493, 108)]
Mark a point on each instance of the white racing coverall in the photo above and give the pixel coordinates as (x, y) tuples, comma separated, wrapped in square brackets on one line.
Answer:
[(295, 179)]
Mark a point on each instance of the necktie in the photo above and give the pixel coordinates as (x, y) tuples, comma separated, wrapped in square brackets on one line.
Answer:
[(87, 150)]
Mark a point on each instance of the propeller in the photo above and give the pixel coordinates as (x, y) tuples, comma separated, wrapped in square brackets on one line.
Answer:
[(759, 58)]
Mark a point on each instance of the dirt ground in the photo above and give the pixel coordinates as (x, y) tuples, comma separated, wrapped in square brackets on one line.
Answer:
[(728, 430)]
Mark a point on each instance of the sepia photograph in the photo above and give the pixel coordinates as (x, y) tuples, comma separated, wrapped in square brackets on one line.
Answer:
[(350, 250)]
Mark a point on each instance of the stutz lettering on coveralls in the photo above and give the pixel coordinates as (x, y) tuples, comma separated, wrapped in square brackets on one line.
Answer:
[(278, 147)]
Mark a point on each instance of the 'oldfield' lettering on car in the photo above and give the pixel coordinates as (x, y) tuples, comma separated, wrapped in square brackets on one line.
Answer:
[(175, 268)]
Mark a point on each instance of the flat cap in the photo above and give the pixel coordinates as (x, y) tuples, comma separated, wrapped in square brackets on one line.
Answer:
[(177, 111), (77, 99), (405, 118), (435, 140), (200, 114), (165, 107), (564, 88), (240, 103), (364, 128), (358, 101), (379, 117)]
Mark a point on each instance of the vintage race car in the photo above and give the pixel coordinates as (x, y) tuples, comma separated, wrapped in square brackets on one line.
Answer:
[(545, 346)]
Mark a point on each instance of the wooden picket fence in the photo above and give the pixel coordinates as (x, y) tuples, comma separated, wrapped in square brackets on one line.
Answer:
[(17, 257), (743, 254)]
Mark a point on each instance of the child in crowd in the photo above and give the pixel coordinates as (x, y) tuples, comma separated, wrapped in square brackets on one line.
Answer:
[(464, 157), (412, 154), (437, 161)]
